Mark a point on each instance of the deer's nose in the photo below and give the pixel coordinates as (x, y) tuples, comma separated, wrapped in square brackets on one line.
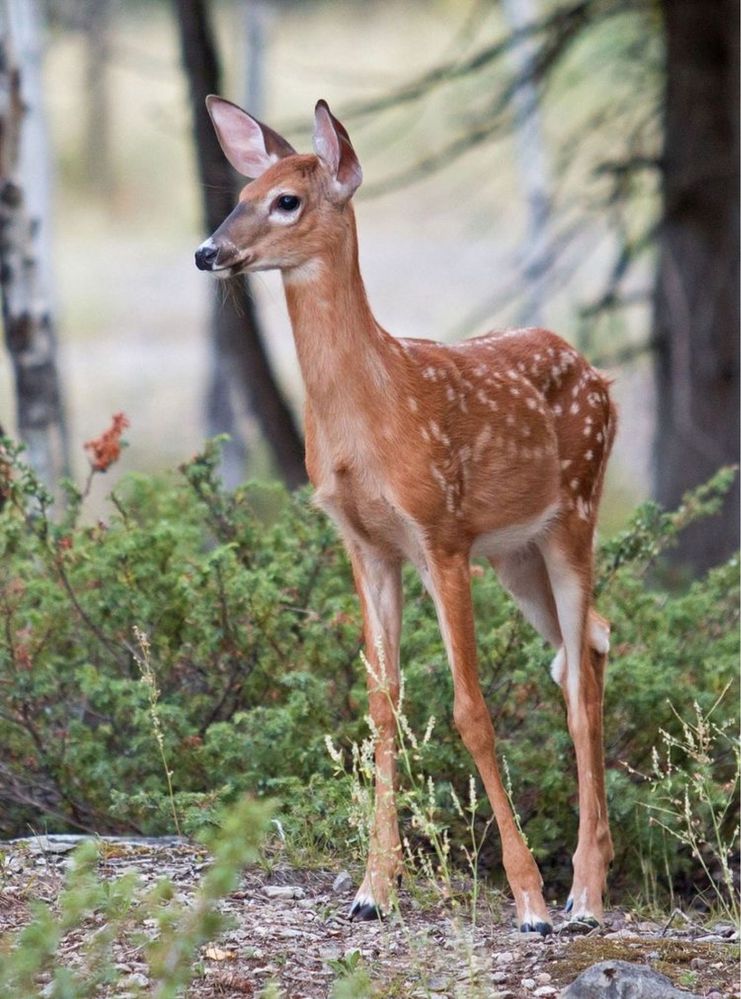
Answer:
[(206, 255)]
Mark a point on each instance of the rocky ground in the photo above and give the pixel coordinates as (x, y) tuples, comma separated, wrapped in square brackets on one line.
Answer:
[(290, 927)]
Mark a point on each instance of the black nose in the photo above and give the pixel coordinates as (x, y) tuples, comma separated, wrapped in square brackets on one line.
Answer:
[(205, 256)]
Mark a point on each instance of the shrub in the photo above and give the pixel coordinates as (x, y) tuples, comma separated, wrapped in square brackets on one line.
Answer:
[(247, 605)]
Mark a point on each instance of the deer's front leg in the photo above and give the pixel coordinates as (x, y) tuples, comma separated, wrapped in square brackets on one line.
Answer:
[(451, 591), (378, 581)]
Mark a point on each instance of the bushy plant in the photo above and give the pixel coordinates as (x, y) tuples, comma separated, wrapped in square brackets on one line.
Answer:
[(254, 634)]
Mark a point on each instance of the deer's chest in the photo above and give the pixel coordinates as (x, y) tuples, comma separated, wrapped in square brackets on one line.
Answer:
[(363, 512)]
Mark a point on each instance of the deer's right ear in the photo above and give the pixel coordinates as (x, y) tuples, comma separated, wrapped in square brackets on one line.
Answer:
[(250, 146)]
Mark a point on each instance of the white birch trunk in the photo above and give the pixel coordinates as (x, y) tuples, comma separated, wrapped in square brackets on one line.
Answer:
[(25, 258), (532, 157)]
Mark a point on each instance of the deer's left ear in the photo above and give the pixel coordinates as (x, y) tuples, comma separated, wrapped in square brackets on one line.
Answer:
[(333, 147)]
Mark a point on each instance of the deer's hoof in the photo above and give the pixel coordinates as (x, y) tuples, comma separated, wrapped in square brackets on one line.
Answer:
[(541, 927), (364, 911)]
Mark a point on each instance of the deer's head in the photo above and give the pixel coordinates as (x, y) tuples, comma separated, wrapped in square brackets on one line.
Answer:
[(288, 214)]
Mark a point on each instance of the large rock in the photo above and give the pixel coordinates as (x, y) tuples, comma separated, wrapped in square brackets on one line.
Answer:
[(623, 980)]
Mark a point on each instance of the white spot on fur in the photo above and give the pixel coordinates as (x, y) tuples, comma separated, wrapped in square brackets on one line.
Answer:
[(583, 508)]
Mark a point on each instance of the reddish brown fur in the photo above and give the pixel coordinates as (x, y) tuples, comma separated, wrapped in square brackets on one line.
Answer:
[(431, 452)]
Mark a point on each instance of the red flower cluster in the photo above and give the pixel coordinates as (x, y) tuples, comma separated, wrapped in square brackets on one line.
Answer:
[(104, 450)]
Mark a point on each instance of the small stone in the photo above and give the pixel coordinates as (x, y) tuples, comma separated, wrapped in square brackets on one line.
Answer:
[(44, 844), (504, 957), (439, 984), (545, 990), (342, 883), (543, 978), (284, 891), (723, 929), (528, 983), (330, 954), (137, 980), (499, 976)]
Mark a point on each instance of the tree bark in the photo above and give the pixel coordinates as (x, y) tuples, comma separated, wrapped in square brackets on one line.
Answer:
[(238, 354), (696, 303), (532, 160), (97, 16), (25, 267)]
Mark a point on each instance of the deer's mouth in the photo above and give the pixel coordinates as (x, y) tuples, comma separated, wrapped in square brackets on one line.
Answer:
[(233, 267)]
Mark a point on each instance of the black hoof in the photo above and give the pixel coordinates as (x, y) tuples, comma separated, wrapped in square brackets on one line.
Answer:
[(580, 924), (365, 912), (544, 929)]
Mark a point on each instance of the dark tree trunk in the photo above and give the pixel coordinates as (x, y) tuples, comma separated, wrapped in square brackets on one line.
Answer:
[(696, 317), (237, 348), (24, 252)]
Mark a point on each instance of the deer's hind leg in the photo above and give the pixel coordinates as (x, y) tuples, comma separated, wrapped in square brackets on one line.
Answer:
[(524, 575), (579, 669)]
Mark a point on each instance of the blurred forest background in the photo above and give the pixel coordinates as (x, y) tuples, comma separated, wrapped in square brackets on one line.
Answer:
[(565, 162)]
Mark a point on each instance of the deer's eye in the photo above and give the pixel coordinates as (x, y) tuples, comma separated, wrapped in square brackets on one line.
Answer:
[(287, 203)]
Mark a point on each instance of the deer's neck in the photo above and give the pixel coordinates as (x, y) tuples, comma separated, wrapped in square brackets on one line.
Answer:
[(346, 358)]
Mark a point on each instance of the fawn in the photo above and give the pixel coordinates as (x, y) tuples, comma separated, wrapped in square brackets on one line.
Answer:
[(435, 453)]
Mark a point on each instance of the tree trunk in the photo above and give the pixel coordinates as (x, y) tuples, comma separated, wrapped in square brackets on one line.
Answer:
[(696, 304), (238, 354), (97, 16), (25, 267), (532, 159)]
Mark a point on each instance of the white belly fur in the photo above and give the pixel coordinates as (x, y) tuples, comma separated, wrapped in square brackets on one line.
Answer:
[(514, 536)]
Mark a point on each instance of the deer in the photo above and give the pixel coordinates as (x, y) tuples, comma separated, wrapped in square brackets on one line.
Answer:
[(434, 454)]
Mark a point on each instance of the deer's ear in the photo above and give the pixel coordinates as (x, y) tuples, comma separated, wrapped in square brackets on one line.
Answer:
[(333, 147), (250, 146)]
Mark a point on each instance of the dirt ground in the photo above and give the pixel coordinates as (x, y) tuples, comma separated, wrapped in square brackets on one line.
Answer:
[(289, 926)]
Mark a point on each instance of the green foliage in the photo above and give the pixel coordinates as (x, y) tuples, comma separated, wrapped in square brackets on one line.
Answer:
[(253, 633), (353, 980), (107, 911)]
